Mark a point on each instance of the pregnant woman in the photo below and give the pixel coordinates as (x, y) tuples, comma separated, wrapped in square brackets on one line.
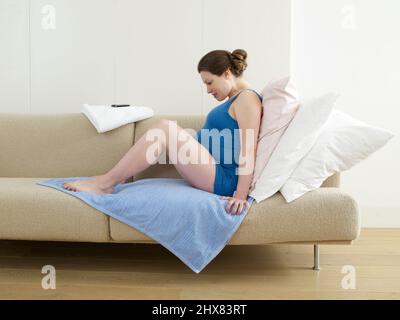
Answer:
[(228, 169)]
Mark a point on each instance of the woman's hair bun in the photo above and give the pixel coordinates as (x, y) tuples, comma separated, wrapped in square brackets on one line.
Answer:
[(239, 54), (239, 63)]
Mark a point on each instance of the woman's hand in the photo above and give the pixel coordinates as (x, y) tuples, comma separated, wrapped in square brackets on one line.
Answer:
[(235, 206)]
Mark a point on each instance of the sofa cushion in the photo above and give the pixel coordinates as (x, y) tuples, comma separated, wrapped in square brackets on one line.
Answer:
[(325, 214), (32, 212)]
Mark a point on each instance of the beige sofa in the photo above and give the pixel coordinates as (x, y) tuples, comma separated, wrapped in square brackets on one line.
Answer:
[(39, 146)]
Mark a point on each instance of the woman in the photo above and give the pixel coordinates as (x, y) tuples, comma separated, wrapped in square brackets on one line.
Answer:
[(221, 71)]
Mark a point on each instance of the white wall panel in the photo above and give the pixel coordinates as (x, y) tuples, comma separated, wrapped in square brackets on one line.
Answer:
[(131, 51), (261, 27), (158, 47), (14, 56), (73, 63)]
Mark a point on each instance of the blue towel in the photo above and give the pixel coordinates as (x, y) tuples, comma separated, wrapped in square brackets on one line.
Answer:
[(189, 222)]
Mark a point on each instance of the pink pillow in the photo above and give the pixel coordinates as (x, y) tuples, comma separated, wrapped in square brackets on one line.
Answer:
[(280, 104)]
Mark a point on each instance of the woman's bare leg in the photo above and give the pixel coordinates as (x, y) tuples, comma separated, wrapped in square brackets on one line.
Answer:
[(198, 169), (198, 174), (133, 162)]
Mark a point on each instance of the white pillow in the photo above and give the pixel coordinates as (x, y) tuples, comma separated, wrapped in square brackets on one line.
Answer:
[(280, 104), (295, 143), (344, 142)]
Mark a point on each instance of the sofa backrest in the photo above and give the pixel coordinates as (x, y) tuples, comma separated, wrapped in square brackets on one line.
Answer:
[(67, 145), (59, 145)]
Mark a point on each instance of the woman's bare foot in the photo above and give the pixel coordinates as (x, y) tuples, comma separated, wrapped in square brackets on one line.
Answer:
[(98, 186)]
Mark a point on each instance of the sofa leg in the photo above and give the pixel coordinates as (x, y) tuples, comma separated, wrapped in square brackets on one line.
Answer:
[(316, 257)]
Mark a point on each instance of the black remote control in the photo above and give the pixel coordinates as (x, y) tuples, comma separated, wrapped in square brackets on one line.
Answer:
[(120, 105)]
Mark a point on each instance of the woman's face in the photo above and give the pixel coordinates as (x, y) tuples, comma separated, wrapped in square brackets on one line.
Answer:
[(218, 86)]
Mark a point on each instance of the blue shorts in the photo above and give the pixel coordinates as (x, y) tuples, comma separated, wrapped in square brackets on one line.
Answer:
[(225, 182)]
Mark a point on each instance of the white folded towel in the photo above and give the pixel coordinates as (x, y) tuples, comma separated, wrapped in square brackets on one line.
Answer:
[(106, 118)]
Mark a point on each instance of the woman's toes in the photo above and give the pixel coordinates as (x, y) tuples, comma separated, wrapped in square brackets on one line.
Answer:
[(66, 186)]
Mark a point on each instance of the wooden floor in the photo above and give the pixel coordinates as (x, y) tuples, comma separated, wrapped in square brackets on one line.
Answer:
[(126, 271)]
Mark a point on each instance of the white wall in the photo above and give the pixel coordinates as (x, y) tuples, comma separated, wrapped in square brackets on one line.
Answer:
[(131, 51), (353, 47), (14, 56)]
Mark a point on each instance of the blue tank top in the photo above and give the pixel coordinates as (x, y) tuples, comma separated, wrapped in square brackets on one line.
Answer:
[(220, 135)]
